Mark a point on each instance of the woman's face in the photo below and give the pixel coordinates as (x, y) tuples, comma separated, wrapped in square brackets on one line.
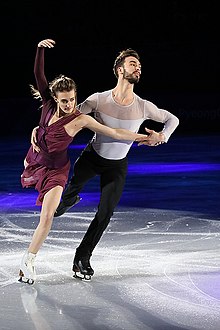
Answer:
[(66, 101)]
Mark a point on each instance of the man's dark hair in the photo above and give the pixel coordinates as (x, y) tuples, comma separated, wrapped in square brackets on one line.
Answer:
[(119, 61)]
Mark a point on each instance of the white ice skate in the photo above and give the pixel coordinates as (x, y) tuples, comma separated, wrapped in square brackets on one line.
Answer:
[(27, 270)]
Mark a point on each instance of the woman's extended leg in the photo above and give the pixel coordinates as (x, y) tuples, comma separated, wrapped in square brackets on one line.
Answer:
[(51, 200)]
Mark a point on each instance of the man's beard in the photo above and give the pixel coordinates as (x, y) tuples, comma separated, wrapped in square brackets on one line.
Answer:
[(131, 78)]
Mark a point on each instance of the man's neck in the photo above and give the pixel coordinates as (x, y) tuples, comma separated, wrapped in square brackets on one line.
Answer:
[(123, 93)]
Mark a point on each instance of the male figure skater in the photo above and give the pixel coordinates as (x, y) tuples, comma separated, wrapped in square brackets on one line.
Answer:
[(107, 157)]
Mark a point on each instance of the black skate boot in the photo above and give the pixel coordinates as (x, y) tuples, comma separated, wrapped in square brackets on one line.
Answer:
[(82, 265), (63, 207)]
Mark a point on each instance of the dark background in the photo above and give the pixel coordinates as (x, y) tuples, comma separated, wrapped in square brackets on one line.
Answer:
[(178, 42)]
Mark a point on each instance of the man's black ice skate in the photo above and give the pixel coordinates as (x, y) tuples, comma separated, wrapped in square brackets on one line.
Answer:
[(82, 265), (63, 207)]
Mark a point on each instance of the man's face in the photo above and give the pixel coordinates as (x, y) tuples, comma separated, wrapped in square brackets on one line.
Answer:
[(131, 69)]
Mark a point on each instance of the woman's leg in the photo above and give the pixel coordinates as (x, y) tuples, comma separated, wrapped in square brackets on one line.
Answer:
[(50, 203), (51, 200)]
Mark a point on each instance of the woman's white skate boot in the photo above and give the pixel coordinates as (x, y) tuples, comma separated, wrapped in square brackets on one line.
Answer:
[(27, 270)]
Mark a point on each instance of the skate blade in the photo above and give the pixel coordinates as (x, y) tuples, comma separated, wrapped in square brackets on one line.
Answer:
[(23, 279), (82, 277)]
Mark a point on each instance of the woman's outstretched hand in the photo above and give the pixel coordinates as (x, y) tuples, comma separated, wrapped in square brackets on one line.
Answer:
[(153, 138), (47, 43)]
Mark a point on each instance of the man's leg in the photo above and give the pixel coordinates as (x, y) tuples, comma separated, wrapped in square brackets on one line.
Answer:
[(112, 184), (82, 173)]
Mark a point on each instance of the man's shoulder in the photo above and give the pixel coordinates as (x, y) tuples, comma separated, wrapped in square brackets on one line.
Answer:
[(100, 94), (140, 99)]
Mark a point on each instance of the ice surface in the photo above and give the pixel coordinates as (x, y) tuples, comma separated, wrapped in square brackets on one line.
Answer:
[(154, 269)]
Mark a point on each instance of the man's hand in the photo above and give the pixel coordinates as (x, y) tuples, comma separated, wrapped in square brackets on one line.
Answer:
[(34, 139), (153, 138)]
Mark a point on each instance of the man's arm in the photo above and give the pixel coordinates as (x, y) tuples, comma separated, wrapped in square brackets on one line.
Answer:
[(169, 120)]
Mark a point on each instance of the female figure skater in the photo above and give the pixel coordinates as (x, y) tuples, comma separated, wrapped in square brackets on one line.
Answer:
[(48, 169)]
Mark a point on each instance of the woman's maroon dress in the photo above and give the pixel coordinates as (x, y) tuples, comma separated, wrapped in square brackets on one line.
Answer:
[(50, 167)]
